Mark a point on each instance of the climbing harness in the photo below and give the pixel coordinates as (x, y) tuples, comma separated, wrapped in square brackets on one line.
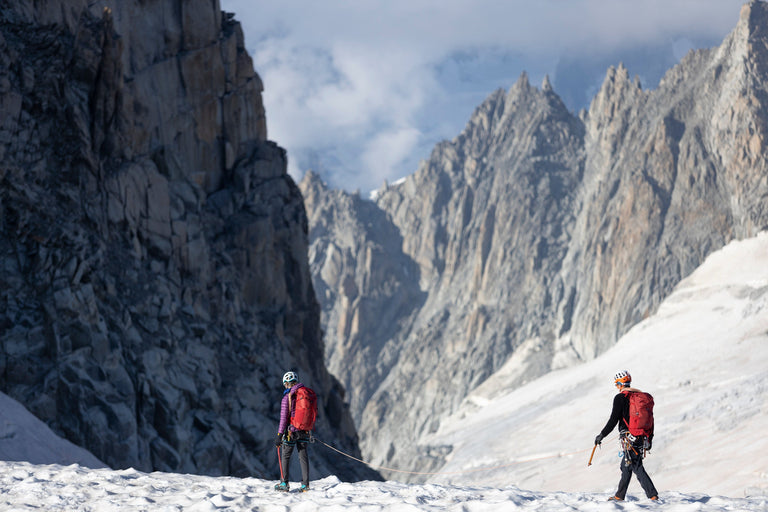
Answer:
[(628, 444)]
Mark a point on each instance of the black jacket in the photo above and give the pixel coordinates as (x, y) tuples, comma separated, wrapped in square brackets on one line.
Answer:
[(619, 414)]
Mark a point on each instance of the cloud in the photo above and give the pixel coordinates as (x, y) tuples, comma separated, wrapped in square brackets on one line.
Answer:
[(348, 96), (364, 89), (389, 149)]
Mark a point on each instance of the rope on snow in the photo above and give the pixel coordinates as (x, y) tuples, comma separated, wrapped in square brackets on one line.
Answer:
[(476, 470)]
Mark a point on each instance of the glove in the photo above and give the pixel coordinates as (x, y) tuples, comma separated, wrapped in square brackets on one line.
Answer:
[(647, 444), (279, 440), (599, 438)]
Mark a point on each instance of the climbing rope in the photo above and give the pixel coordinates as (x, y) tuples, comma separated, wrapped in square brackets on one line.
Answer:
[(476, 470)]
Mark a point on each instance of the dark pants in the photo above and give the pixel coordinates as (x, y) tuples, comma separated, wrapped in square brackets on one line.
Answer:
[(633, 463), (298, 441)]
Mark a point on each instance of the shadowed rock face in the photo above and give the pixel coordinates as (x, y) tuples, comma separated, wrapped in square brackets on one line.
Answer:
[(367, 286), (154, 282), (540, 234)]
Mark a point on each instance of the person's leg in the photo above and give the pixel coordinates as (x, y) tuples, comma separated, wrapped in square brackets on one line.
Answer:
[(636, 464), (301, 447), (644, 479), (626, 475), (287, 451)]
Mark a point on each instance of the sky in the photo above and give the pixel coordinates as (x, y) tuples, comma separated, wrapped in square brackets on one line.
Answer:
[(702, 356), (361, 91)]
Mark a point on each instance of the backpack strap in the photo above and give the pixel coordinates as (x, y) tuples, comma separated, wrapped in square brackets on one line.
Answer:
[(626, 392)]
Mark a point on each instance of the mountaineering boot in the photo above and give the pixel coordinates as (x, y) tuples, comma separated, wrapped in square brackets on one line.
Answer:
[(654, 498), (305, 488), (615, 498), (282, 487)]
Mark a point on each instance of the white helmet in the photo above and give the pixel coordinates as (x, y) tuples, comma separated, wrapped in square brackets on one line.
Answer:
[(290, 377), (622, 378)]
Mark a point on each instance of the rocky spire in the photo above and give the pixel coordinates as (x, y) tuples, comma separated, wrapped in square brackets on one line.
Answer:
[(546, 85)]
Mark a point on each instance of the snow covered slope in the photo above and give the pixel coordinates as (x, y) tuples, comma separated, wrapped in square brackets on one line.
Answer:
[(703, 356), (23, 437), (49, 487)]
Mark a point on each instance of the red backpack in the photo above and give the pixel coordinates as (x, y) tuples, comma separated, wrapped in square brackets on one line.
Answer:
[(305, 413), (640, 413)]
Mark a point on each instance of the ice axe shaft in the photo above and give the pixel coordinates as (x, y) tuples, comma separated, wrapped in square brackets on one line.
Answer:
[(593, 454), (280, 462)]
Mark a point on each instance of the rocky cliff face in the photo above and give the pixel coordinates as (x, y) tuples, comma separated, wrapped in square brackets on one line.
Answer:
[(153, 250), (540, 236)]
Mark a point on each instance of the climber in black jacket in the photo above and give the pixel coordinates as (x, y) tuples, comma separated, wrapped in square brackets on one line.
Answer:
[(634, 447)]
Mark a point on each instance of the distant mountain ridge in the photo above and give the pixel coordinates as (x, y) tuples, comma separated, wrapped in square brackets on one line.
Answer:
[(538, 233)]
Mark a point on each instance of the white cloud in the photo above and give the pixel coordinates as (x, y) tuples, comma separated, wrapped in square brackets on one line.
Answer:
[(388, 150), (341, 77)]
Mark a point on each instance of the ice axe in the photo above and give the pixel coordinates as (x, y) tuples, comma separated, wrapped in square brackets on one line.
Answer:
[(593, 454), (280, 462)]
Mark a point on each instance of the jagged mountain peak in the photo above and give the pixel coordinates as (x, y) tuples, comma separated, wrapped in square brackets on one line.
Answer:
[(753, 23), (743, 55), (311, 185), (504, 113), (546, 85), (616, 94), (754, 18), (523, 82)]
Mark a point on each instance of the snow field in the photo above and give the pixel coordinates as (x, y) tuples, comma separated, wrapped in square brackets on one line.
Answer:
[(25, 486)]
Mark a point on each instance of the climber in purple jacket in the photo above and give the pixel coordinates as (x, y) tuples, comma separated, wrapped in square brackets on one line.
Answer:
[(288, 437)]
